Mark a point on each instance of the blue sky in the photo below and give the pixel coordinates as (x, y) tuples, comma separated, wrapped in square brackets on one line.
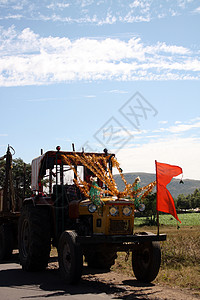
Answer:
[(117, 74)]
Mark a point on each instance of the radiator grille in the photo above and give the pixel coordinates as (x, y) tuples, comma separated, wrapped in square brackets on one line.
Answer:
[(120, 227)]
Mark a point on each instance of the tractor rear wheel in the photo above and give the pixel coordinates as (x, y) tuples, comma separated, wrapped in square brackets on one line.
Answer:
[(146, 259), (70, 257), (34, 237), (6, 241)]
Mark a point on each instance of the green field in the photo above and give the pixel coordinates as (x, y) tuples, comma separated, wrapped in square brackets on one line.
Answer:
[(189, 219)]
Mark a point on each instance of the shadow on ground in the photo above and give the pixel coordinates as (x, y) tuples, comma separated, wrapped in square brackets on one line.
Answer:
[(11, 275)]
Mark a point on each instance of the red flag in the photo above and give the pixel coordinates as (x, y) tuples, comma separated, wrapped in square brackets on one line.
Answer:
[(164, 174)]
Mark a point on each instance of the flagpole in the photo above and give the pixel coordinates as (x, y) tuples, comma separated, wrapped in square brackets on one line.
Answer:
[(158, 222), (158, 229)]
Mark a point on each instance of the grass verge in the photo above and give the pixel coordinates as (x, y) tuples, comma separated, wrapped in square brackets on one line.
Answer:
[(180, 258)]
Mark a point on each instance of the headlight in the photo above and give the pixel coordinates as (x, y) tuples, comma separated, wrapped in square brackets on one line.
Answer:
[(141, 207), (92, 208), (127, 210), (113, 211)]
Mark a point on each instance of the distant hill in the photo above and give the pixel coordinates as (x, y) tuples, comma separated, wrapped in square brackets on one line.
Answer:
[(174, 187)]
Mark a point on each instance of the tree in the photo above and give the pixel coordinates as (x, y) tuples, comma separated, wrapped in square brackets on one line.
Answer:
[(150, 209), (21, 177), (182, 202), (195, 199)]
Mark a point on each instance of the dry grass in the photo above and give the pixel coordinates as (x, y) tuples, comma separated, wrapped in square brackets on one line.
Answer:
[(180, 258)]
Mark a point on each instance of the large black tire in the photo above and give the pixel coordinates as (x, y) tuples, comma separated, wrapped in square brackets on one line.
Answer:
[(6, 241), (146, 259), (103, 258), (70, 257), (34, 237)]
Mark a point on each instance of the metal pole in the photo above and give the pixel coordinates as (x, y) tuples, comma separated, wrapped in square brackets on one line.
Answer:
[(56, 202), (158, 226), (63, 193), (9, 193), (158, 231), (50, 181), (24, 178), (5, 187)]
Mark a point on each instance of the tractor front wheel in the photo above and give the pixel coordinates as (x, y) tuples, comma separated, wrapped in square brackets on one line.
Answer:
[(70, 257), (146, 260)]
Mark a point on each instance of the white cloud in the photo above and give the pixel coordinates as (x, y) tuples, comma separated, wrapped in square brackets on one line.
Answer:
[(179, 127), (11, 16), (183, 152), (116, 92), (183, 127), (85, 3), (163, 122), (90, 96), (162, 47), (130, 18), (90, 11), (27, 58), (135, 3), (110, 19), (197, 10), (59, 5), (177, 145)]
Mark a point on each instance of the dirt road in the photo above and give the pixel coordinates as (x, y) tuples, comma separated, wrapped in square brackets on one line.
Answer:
[(16, 284), (122, 287)]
